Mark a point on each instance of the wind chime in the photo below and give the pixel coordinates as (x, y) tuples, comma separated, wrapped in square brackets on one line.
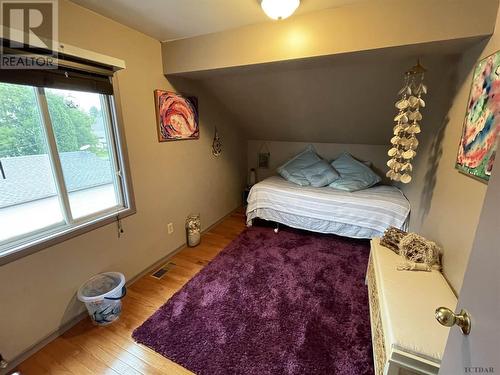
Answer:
[(216, 144), (405, 142)]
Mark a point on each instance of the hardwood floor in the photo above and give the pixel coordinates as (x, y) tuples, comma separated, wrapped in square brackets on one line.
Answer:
[(87, 349)]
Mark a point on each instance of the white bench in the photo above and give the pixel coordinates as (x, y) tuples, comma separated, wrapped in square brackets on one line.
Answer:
[(406, 337)]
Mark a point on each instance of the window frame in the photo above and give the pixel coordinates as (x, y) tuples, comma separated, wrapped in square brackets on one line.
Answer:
[(35, 241)]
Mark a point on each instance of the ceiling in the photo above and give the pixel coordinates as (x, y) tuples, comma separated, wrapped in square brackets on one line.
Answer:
[(345, 98), (176, 19)]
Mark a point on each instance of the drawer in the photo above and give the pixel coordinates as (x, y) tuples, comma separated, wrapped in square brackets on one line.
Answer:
[(376, 321)]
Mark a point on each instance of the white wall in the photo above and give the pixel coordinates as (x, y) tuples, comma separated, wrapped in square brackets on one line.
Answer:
[(171, 180), (450, 202), (283, 151)]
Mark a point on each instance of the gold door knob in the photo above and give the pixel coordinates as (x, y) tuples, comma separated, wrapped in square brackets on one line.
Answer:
[(448, 318)]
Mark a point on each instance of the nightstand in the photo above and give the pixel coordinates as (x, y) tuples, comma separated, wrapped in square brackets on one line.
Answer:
[(246, 192)]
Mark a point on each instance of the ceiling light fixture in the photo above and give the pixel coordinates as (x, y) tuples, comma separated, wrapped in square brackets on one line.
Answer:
[(279, 9)]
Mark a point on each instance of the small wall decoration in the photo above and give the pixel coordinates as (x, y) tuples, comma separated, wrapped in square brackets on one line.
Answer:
[(405, 142), (177, 116), (477, 148), (216, 144), (264, 156), (264, 160)]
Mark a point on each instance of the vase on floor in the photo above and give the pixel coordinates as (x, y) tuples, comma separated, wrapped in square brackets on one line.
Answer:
[(193, 230)]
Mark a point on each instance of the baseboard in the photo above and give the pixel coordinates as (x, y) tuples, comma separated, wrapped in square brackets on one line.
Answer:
[(46, 340), (72, 322), (167, 257)]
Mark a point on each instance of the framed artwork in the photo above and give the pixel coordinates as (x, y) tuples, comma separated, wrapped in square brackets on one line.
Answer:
[(477, 148), (264, 160), (176, 116), (263, 156)]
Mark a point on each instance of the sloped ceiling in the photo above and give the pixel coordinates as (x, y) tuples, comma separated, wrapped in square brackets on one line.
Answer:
[(343, 99)]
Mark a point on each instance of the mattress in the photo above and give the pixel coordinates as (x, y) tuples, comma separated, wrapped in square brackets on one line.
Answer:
[(360, 214)]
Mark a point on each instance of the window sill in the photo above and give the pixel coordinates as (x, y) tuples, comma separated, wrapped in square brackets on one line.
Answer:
[(65, 234)]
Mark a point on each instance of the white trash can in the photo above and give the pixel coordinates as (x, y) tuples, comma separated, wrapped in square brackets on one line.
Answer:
[(102, 295)]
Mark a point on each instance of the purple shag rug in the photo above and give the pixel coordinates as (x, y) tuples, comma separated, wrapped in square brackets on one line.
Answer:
[(288, 303)]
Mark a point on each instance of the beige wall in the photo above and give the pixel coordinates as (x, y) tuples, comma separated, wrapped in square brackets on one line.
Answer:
[(171, 180), (362, 26), (456, 199), (283, 151)]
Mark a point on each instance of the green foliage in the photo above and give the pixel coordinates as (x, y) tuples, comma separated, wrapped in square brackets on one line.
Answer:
[(21, 128)]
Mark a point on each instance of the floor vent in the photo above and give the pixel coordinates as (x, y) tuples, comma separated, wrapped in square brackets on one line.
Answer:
[(163, 270)]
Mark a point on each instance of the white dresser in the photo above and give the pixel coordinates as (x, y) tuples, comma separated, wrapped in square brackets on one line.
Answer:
[(406, 337)]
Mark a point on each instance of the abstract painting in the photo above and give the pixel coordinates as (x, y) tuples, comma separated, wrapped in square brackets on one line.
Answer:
[(477, 149), (177, 116)]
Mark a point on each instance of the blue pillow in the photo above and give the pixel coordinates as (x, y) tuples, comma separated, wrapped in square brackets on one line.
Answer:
[(354, 175), (320, 174), (292, 169)]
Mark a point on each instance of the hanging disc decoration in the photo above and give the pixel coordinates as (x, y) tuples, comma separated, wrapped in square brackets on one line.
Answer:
[(405, 142)]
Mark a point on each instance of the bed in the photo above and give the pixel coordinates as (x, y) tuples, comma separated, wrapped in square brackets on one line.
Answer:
[(361, 214)]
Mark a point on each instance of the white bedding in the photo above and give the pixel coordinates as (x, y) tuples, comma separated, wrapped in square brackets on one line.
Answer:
[(361, 214)]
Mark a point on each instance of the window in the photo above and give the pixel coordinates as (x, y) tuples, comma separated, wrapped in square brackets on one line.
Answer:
[(61, 163)]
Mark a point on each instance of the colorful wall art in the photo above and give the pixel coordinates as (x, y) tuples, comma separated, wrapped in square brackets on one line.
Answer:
[(177, 116), (477, 148)]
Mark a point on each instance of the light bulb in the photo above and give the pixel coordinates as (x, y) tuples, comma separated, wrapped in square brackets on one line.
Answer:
[(279, 9)]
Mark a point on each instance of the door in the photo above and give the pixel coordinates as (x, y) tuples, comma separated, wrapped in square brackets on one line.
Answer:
[(479, 352)]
